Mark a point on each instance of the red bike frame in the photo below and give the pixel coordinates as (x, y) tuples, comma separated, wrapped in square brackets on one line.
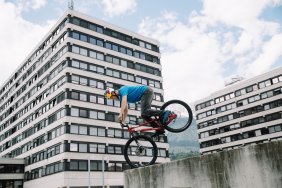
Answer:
[(146, 126)]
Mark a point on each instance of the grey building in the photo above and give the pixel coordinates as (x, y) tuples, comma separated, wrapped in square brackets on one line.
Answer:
[(52, 110), (243, 113)]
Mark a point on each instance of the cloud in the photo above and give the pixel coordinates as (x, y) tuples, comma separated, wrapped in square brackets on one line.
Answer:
[(109, 8), (18, 38), (223, 39), (26, 5), (271, 52), (118, 7)]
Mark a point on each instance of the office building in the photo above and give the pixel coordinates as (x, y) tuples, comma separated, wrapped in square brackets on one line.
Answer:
[(53, 112), (11, 173), (243, 113)]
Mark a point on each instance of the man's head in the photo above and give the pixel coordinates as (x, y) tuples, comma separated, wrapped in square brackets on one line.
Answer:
[(110, 93)]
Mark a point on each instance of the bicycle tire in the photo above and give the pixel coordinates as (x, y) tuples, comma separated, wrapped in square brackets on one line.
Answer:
[(130, 158), (179, 127)]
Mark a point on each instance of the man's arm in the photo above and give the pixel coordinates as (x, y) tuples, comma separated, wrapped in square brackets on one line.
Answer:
[(123, 109)]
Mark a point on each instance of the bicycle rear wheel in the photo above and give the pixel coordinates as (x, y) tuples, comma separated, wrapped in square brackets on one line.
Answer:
[(140, 151), (181, 116)]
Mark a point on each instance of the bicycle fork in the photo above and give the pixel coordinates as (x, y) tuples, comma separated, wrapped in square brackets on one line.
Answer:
[(139, 148)]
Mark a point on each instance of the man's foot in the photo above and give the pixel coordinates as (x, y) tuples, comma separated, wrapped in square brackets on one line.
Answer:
[(165, 116), (158, 133)]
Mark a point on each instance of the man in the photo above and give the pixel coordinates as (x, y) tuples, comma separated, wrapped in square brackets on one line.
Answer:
[(135, 94)]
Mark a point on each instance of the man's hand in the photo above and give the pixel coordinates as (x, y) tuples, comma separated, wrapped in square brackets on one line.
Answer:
[(123, 109), (120, 117)]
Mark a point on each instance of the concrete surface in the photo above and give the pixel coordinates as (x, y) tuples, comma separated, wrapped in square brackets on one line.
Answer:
[(257, 166)]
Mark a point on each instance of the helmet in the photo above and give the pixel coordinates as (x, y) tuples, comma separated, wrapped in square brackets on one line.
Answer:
[(108, 92)]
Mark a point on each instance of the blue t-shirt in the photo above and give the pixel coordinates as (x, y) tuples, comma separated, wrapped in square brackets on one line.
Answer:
[(134, 93)]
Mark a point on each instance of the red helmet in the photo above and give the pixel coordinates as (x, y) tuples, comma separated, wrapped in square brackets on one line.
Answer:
[(108, 92)]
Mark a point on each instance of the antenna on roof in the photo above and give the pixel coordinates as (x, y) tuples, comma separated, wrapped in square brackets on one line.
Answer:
[(233, 80), (70, 4)]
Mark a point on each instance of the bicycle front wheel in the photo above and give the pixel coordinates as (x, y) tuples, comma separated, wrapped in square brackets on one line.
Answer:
[(140, 151), (181, 115)]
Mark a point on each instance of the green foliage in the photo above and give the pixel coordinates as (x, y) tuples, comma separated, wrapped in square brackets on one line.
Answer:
[(183, 155)]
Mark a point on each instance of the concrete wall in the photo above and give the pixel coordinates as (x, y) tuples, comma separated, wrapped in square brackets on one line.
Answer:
[(257, 166)]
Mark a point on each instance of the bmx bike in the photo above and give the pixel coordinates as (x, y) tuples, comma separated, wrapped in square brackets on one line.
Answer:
[(141, 150)]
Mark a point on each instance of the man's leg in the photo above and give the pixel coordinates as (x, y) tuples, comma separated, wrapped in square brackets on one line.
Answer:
[(146, 111)]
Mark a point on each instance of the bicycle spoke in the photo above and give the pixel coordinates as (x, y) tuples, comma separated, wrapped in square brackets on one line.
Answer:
[(140, 151), (181, 116)]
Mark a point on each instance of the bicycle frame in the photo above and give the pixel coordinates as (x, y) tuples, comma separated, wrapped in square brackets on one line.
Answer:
[(146, 126)]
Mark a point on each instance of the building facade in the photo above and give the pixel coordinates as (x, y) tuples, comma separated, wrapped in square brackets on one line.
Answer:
[(246, 112), (11, 173), (52, 110)]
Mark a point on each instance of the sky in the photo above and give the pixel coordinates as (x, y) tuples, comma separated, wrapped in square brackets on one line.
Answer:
[(203, 43)]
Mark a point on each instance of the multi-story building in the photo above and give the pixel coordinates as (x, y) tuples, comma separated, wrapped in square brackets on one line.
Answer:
[(53, 112), (245, 112), (11, 173)]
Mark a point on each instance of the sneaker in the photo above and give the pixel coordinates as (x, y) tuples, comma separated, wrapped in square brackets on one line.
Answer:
[(165, 116), (158, 133)]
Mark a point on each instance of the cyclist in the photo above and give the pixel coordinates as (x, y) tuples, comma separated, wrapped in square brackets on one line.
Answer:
[(135, 94)]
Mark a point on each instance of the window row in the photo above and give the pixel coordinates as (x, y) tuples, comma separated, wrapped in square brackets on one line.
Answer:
[(242, 124), (100, 99), (243, 102), (75, 165), (241, 92), (115, 34), (41, 110), (28, 84), (242, 113), (83, 147), (38, 141), (35, 76), (82, 80), (34, 55), (115, 47), (11, 168), (241, 136), (112, 59)]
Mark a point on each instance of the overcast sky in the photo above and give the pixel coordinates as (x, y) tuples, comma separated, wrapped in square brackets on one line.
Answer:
[(203, 43)]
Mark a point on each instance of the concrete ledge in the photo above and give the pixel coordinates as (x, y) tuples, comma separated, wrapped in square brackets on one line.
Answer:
[(257, 166), (11, 161)]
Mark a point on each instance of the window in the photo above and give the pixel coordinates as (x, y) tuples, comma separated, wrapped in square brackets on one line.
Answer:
[(100, 43), (100, 56), (83, 37), (83, 52), (93, 98), (74, 129), (75, 49), (96, 166), (74, 95), (75, 79), (92, 54), (83, 81), (83, 97), (93, 114), (75, 64), (249, 89), (75, 112), (83, 113), (92, 40), (83, 66), (82, 147), (73, 147), (101, 115)]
